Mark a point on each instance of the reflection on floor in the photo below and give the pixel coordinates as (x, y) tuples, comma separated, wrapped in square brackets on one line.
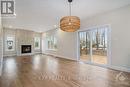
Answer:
[(96, 59), (49, 71)]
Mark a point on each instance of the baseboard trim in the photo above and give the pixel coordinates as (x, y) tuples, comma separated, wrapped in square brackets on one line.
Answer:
[(123, 69), (37, 52), (9, 55), (119, 68), (65, 57), (26, 54), (59, 56)]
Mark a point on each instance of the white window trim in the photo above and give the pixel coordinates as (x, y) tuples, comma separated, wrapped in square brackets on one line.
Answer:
[(109, 43), (37, 48), (50, 49)]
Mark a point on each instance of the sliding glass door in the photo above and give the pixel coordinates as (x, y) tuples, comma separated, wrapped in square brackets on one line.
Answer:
[(85, 46), (99, 46), (94, 45)]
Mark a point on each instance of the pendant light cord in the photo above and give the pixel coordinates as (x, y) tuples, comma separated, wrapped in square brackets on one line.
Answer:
[(70, 11), (70, 8)]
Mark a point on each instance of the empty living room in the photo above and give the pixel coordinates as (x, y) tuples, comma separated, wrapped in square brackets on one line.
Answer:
[(64, 43)]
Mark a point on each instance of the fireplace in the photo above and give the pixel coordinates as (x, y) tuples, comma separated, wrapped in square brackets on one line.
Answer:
[(26, 48)]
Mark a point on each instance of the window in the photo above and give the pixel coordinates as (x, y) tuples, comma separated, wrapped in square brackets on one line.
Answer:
[(37, 42), (10, 44), (94, 45), (52, 42)]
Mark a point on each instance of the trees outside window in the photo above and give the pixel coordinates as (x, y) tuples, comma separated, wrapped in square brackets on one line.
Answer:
[(37, 42), (52, 42)]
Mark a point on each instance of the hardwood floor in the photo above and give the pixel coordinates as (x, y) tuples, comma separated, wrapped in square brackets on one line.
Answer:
[(95, 59), (47, 71)]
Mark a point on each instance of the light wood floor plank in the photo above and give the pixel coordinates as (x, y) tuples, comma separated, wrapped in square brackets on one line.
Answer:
[(48, 71)]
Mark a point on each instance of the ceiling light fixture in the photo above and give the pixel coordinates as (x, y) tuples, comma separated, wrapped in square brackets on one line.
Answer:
[(70, 23)]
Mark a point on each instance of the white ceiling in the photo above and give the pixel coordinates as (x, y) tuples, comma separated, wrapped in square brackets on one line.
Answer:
[(42, 15)]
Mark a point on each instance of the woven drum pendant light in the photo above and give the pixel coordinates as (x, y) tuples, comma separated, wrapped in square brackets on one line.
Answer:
[(70, 23)]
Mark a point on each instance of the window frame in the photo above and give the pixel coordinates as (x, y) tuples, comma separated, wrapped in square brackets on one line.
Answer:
[(53, 42), (39, 43)]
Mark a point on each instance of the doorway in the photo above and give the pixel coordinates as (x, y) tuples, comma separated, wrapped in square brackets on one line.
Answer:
[(94, 45)]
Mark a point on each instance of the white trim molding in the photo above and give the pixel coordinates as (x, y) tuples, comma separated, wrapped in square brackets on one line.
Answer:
[(108, 37), (104, 66), (119, 68), (59, 56)]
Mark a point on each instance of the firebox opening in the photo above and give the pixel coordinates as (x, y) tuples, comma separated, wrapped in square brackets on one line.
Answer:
[(26, 49)]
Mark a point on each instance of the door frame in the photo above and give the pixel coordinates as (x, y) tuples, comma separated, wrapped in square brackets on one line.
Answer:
[(108, 42)]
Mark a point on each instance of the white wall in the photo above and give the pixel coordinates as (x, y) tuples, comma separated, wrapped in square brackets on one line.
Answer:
[(65, 44), (119, 20), (1, 46), (120, 32), (22, 37), (6, 33)]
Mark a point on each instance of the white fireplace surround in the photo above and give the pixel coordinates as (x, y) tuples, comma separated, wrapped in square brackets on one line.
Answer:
[(22, 37)]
